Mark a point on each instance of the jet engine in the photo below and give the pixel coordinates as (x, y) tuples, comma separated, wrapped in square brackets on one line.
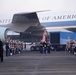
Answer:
[(3, 33)]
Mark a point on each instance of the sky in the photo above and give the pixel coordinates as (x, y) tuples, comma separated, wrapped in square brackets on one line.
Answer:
[(17, 6)]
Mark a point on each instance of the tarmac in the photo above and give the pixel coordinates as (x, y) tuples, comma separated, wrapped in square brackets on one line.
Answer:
[(34, 63)]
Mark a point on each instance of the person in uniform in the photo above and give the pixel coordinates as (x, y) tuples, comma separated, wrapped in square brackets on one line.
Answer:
[(7, 48), (41, 48), (48, 48)]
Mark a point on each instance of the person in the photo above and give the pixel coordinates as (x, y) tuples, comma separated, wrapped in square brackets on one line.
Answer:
[(7, 48), (44, 47), (48, 48), (41, 48), (1, 51)]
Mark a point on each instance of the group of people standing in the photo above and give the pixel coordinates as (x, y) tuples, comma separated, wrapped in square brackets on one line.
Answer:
[(45, 47), (11, 47), (71, 46), (14, 47)]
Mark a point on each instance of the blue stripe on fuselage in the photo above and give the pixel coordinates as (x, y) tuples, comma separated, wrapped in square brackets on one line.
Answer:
[(60, 23)]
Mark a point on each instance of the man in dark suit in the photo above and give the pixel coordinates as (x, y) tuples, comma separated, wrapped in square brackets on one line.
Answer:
[(1, 51)]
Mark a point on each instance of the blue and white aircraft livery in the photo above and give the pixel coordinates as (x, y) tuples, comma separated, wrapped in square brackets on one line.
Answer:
[(57, 18), (47, 18), (23, 22)]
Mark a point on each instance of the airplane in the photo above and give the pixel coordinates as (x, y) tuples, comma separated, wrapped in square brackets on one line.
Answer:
[(58, 20), (36, 22)]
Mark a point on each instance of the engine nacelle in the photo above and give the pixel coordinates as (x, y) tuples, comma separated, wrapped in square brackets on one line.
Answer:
[(3, 33)]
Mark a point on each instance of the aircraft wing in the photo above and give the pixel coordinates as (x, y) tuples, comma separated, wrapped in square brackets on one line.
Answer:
[(22, 21), (25, 18), (35, 30)]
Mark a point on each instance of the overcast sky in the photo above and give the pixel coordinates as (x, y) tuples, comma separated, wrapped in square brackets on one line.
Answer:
[(16, 6)]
